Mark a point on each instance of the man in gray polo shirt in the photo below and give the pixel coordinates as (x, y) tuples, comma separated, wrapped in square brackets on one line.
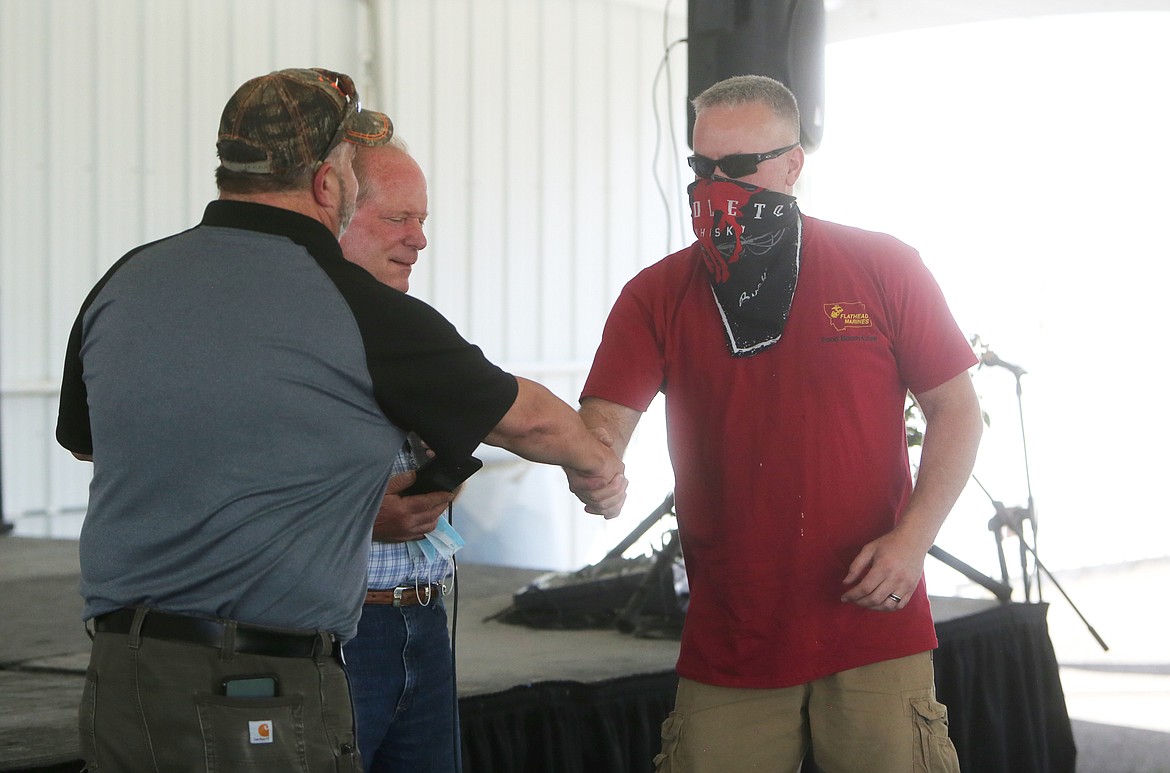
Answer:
[(241, 388)]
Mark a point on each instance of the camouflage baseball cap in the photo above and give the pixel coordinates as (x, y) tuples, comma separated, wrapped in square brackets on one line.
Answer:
[(293, 118)]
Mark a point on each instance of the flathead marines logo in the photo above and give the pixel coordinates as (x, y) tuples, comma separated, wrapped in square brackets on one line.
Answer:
[(844, 315)]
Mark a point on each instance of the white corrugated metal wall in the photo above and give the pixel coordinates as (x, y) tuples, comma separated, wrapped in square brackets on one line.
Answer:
[(107, 119), (532, 118)]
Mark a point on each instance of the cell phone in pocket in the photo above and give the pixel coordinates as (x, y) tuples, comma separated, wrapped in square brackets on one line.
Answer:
[(251, 686)]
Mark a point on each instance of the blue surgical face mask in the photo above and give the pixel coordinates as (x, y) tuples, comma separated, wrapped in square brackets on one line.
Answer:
[(445, 540), (442, 542), (421, 552)]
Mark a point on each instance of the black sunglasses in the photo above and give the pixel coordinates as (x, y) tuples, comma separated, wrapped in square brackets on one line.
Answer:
[(736, 165)]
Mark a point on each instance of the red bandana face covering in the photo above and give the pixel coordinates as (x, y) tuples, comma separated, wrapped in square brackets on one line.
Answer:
[(750, 238)]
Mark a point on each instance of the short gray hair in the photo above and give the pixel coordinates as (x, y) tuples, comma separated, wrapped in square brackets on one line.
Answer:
[(361, 158), (745, 89)]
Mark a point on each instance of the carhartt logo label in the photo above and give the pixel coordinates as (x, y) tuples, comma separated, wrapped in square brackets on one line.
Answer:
[(846, 315), (260, 732)]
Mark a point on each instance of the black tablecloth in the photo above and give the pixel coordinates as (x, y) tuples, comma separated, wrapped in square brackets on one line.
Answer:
[(995, 670)]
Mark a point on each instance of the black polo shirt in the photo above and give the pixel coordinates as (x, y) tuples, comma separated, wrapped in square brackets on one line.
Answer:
[(242, 388)]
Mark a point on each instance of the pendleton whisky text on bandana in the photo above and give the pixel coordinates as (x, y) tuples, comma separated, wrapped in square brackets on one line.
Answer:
[(750, 239)]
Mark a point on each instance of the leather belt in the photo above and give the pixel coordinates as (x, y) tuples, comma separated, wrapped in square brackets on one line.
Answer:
[(250, 639), (406, 595)]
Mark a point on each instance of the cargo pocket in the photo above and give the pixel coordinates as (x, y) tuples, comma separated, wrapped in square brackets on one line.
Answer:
[(86, 718), (934, 752), (252, 733), (671, 729)]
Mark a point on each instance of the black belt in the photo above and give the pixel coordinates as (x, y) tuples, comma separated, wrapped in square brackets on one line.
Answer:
[(249, 639)]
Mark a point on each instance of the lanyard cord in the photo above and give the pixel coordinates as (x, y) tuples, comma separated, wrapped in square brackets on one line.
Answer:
[(456, 739)]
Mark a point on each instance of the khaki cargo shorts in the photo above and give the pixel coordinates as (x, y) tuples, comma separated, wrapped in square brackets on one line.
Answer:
[(880, 718)]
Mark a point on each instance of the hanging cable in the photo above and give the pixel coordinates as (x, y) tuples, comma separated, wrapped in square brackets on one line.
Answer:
[(664, 65), (457, 736)]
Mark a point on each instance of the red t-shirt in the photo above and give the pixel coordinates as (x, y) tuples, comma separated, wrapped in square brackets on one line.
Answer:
[(787, 462)]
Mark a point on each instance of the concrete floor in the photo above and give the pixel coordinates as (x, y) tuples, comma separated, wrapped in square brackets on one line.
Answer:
[(1119, 700)]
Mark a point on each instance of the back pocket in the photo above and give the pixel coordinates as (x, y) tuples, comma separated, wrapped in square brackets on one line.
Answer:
[(252, 733)]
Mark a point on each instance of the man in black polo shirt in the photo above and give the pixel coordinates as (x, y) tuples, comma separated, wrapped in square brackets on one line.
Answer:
[(240, 388)]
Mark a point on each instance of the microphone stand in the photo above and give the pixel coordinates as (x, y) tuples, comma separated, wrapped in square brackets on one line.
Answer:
[(1018, 515), (1009, 517), (1013, 518), (1031, 509), (1041, 566)]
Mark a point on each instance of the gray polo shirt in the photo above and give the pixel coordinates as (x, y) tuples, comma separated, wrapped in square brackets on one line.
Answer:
[(242, 389)]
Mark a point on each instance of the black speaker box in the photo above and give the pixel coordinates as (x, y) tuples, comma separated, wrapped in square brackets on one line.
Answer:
[(783, 39)]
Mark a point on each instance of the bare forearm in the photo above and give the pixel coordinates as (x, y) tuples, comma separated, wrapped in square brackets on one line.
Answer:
[(886, 572), (953, 428), (542, 428), (617, 421)]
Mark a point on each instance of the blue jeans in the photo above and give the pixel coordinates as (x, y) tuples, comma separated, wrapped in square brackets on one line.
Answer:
[(401, 679)]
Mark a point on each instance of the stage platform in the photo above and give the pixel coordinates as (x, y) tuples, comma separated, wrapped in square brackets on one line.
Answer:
[(545, 701)]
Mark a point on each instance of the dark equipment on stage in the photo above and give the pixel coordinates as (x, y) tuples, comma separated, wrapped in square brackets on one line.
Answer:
[(638, 595), (635, 595)]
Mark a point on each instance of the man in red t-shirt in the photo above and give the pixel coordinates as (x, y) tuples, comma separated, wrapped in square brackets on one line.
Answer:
[(785, 346)]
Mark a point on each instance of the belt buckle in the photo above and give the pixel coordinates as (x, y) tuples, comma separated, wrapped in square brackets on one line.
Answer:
[(419, 597)]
